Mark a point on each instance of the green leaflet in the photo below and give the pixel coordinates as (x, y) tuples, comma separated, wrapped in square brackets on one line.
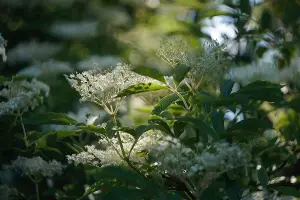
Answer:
[(50, 118), (139, 88), (164, 103)]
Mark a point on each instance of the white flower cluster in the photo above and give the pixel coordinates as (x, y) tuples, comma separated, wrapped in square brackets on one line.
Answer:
[(2, 48), (32, 50), (111, 152), (37, 167), (262, 70), (47, 68), (210, 61), (262, 195), (8, 193), (206, 65), (265, 69), (102, 88), (83, 29), (21, 95), (209, 163), (175, 50)]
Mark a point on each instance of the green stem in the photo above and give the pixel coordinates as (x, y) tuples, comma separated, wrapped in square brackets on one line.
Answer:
[(24, 133), (37, 191)]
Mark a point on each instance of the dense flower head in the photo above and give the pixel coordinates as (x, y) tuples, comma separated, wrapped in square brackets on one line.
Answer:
[(36, 166), (21, 95), (208, 64), (47, 68), (175, 50), (74, 30), (174, 158), (32, 50), (111, 153), (2, 48), (102, 87), (261, 70), (8, 193)]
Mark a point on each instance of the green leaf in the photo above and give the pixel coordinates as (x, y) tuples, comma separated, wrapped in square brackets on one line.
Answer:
[(178, 128), (286, 190), (164, 103), (217, 119), (93, 128), (180, 71), (2, 79), (122, 175), (260, 90), (95, 187), (200, 125), (144, 128), (51, 138), (50, 118), (234, 191), (66, 144), (191, 4), (155, 120), (226, 87), (150, 72), (135, 133), (139, 88), (263, 176), (254, 126), (32, 137), (121, 192)]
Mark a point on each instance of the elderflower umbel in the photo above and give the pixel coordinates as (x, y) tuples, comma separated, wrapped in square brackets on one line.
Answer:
[(111, 154), (262, 70), (47, 68), (2, 48), (178, 160), (75, 30), (32, 50), (37, 167), (101, 88), (7, 193), (21, 95), (207, 65)]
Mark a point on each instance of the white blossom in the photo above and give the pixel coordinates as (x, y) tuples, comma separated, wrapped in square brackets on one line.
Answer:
[(32, 50), (111, 16), (261, 70), (206, 65), (2, 48), (21, 96), (178, 160), (37, 167), (101, 88), (111, 153), (75, 30), (8, 193), (47, 68)]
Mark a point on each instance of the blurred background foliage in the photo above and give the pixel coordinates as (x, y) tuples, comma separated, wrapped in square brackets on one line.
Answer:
[(49, 38)]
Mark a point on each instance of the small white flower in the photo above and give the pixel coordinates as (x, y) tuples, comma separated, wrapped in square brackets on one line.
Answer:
[(37, 167), (21, 96), (111, 153), (32, 50), (2, 48), (103, 87), (47, 68), (82, 29), (293, 179)]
